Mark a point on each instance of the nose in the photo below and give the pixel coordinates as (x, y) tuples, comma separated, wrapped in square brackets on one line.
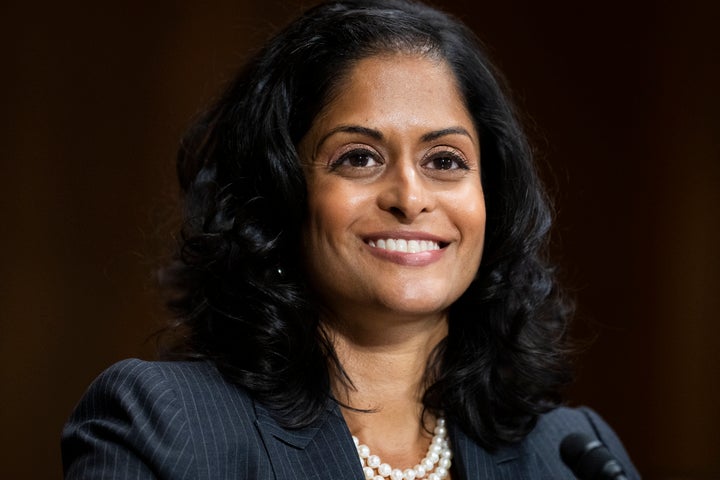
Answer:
[(404, 192)]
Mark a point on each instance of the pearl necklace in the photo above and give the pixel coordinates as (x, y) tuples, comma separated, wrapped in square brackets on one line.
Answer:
[(435, 465)]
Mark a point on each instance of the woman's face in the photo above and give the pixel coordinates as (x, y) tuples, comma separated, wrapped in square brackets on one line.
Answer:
[(396, 213)]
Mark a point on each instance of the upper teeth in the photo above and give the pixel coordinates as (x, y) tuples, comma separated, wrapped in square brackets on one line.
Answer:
[(402, 245)]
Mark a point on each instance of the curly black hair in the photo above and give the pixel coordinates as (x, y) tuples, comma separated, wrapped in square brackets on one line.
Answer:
[(237, 286)]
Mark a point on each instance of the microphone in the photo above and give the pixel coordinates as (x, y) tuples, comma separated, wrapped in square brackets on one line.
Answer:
[(589, 459)]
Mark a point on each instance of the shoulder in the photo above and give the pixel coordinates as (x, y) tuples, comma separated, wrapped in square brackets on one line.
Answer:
[(555, 425), (184, 377), (133, 373), (159, 416), (161, 387), (560, 422), (191, 392)]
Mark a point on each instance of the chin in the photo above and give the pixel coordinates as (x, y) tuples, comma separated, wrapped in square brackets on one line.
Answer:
[(418, 305)]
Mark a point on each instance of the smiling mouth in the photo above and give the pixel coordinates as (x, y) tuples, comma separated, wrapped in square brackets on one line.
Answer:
[(405, 246)]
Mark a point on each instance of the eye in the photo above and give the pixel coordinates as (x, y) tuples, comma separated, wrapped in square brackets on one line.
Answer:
[(356, 158), (445, 160)]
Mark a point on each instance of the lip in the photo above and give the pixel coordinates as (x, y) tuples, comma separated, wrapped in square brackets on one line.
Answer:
[(418, 259)]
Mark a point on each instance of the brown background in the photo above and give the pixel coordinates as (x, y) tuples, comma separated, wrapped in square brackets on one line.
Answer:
[(622, 100)]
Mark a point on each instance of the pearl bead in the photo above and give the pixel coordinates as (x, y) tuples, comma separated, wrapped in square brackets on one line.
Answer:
[(438, 458)]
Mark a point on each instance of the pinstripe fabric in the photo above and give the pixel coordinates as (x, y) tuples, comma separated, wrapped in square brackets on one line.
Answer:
[(182, 420), (538, 455)]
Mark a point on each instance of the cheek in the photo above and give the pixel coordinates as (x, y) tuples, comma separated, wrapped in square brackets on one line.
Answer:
[(333, 208), (471, 220), (327, 231), (329, 244), (471, 213), (478, 219), (326, 216)]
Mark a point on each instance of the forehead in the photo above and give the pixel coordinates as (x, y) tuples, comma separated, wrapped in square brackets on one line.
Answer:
[(394, 90)]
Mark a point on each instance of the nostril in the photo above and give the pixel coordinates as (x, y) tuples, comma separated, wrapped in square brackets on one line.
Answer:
[(397, 211)]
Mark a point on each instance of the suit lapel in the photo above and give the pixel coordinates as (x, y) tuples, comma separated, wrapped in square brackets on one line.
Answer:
[(321, 451), (472, 462), (325, 451)]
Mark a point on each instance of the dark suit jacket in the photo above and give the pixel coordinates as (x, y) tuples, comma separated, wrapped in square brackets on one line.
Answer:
[(182, 420)]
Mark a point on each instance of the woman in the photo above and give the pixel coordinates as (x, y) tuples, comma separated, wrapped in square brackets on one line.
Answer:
[(360, 288)]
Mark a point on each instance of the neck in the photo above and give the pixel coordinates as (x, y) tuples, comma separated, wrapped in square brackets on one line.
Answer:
[(385, 360)]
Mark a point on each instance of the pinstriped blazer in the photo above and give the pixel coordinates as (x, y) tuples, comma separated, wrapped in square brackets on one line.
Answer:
[(182, 420)]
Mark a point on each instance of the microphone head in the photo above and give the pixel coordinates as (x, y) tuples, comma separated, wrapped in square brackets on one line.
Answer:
[(588, 458)]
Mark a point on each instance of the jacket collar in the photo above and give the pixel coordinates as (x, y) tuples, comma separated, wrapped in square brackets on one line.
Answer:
[(296, 453), (323, 450), (471, 461)]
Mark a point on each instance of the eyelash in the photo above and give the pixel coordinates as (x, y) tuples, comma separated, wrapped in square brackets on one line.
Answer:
[(343, 159), (354, 153), (452, 156)]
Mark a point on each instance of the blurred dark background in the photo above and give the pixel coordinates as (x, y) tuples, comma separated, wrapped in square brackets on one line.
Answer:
[(620, 98)]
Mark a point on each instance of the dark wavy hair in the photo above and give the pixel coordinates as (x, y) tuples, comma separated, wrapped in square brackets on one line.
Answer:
[(237, 286)]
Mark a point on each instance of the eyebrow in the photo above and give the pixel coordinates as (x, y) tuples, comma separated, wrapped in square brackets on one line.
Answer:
[(368, 132), (377, 135), (430, 136)]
